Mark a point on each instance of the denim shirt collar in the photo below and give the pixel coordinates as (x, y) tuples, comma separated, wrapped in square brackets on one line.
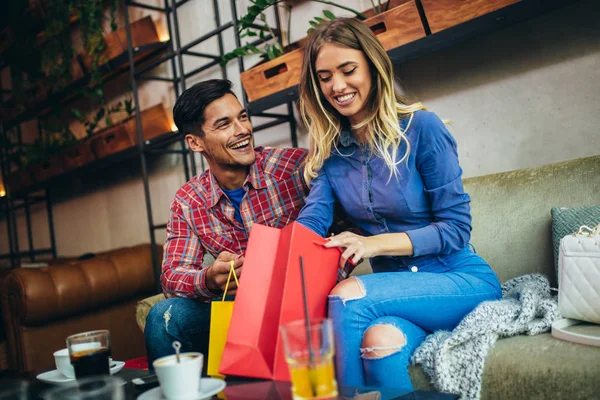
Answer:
[(347, 138)]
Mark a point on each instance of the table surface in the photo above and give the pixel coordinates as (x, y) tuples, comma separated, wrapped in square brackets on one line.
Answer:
[(238, 389)]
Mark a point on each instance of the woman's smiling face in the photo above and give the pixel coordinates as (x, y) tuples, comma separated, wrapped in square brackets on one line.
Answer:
[(345, 80)]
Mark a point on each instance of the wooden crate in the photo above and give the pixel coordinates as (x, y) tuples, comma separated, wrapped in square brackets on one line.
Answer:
[(48, 169), (110, 141), (18, 180), (443, 14), (398, 26), (273, 76), (155, 122), (395, 27), (77, 155), (143, 32)]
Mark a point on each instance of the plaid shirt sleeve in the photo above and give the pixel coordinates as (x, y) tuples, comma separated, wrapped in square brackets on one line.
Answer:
[(183, 274)]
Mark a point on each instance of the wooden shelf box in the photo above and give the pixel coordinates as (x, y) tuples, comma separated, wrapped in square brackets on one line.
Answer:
[(47, 169), (19, 180), (395, 27), (143, 32), (110, 141), (155, 122), (443, 14), (77, 156)]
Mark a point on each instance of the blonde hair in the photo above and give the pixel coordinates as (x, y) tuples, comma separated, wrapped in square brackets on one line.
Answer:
[(384, 105)]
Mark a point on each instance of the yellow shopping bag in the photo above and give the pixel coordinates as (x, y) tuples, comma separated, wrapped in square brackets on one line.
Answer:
[(220, 316)]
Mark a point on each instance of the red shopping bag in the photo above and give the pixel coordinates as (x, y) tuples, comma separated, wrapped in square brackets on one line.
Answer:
[(270, 294), (271, 390)]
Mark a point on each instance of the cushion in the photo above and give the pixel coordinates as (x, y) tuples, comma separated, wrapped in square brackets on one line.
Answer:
[(534, 367), (512, 225), (567, 220), (143, 308)]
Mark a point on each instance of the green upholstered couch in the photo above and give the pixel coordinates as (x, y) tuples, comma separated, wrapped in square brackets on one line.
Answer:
[(512, 231)]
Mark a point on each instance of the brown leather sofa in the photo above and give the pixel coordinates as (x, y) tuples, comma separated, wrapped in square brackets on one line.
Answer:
[(42, 306)]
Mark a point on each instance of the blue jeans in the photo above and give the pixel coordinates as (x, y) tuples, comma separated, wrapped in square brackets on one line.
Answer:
[(435, 295), (184, 320)]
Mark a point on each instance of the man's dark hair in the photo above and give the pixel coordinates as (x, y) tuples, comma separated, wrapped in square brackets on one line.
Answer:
[(188, 112)]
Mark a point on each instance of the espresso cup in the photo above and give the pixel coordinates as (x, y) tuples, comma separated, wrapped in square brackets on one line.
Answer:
[(179, 380), (63, 363)]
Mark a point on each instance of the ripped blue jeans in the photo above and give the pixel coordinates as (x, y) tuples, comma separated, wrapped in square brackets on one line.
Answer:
[(401, 308), (177, 318)]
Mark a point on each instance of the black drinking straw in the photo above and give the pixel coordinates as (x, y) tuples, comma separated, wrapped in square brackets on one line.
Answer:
[(306, 318)]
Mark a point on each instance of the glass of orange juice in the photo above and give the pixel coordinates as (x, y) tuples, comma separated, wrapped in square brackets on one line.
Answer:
[(309, 354)]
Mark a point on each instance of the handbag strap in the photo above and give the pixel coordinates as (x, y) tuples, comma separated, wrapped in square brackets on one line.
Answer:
[(231, 272), (586, 230)]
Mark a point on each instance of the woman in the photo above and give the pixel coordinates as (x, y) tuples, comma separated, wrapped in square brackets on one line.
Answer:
[(394, 169)]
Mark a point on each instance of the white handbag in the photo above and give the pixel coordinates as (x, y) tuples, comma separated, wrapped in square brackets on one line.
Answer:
[(579, 287), (579, 275)]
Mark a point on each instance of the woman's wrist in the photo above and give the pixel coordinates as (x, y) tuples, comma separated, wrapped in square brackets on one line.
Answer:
[(391, 244)]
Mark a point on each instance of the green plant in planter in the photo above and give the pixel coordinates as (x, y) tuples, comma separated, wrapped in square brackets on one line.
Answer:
[(104, 113), (248, 28), (57, 50), (45, 146)]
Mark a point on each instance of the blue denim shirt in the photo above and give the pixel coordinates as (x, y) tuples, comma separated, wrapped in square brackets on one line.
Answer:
[(426, 199)]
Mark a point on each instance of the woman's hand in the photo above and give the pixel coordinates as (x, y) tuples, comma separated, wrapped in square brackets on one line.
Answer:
[(353, 247)]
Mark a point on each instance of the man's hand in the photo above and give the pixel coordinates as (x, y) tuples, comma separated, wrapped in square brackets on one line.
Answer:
[(216, 274)]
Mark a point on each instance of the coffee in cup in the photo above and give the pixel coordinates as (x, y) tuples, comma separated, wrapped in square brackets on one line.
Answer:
[(90, 353), (179, 380)]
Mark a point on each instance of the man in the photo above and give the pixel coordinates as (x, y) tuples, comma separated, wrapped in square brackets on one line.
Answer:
[(214, 212)]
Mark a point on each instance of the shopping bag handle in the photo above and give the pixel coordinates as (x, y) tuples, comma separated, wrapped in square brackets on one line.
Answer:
[(231, 272)]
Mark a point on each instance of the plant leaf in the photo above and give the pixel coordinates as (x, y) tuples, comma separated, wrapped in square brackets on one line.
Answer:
[(270, 52), (253, 48), (254, 11), (328, 14), (77, 113), (313, 23)]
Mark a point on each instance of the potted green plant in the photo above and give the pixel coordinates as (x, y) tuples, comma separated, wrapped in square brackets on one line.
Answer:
[(398, 25)]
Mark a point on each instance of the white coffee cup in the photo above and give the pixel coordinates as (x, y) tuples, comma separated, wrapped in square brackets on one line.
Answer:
[(179, 381), (63, 363)]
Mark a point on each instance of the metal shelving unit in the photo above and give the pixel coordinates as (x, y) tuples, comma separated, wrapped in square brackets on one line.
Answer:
[(175, 50), (175, 56)]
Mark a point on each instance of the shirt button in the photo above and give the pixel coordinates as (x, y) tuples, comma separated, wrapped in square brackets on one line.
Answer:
[(414, 269)]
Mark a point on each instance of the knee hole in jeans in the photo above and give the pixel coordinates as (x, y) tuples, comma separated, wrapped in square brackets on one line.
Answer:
[(382, 340), (349, 289)]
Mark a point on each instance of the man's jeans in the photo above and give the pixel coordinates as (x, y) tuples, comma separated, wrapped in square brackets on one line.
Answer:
[(434, 294), (184, 320)]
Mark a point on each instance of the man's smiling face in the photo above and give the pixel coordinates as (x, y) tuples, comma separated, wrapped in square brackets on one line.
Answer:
[(227, 142)]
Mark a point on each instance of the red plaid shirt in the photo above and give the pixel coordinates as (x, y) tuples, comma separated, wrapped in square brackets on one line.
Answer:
[(202, 217)]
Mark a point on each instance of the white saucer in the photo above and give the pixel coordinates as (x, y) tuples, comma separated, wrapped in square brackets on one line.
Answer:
[(58, 378), (209, 387)]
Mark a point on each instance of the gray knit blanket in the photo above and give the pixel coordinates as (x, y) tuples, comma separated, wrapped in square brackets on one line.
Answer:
[(454, 361)]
